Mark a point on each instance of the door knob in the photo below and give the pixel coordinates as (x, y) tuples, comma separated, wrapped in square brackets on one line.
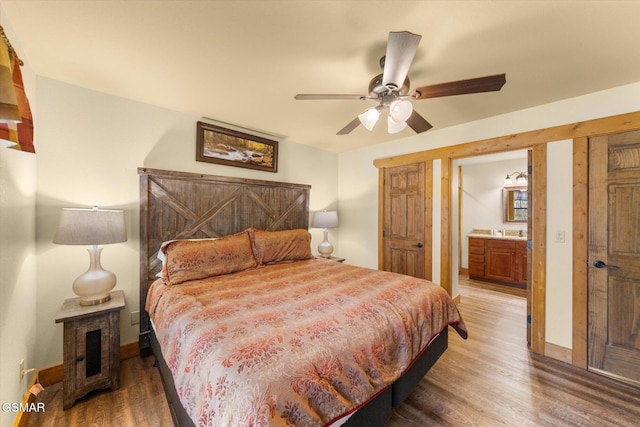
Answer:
[(601, 264), (418, 245)]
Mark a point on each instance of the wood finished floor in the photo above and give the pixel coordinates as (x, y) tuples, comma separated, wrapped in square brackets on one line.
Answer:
[(490, 379)]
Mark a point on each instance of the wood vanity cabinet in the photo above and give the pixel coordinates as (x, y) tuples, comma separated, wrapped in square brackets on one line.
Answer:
[(498, 260), (476, 258), (521, 263)]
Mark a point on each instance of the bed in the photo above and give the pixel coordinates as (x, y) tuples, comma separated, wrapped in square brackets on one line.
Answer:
[(248, 328)]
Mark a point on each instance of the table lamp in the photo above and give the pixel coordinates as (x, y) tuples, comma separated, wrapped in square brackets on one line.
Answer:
[(92, 227), (326, 220)]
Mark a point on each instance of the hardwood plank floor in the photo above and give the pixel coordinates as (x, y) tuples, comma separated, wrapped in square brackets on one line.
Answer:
[(490, 379), (140, 401)]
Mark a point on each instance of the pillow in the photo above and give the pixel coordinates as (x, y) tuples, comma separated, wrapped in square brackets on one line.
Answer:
[(198, 259), (163, 257), (286, 245)]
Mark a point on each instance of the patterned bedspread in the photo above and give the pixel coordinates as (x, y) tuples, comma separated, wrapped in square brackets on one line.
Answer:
[(300, 343)]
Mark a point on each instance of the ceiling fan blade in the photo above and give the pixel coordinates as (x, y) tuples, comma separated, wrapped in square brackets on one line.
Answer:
[(401, 48), (320, 96), (418, 123), (348, 128), (461, 87)]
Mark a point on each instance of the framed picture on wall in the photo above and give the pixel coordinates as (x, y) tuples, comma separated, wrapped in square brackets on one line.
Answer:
[(215, 144)]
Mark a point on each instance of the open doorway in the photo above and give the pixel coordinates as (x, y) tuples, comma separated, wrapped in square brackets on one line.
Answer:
[(491, 224)]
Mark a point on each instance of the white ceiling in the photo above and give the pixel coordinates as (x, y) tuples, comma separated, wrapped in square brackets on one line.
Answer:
[(241, 62)]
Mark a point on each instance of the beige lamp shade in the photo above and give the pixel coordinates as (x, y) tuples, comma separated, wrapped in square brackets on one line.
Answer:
[(325, 219), (92, 227)]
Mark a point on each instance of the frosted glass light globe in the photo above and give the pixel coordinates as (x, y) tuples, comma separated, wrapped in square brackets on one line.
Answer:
[(400, 110)]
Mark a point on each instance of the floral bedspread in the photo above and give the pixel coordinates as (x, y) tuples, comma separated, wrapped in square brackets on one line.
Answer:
[(300, 343)]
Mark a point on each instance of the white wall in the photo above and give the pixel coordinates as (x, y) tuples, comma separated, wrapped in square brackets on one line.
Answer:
[(17, 273), (559, 251), (17, 259), (358, 183), (90, 147)]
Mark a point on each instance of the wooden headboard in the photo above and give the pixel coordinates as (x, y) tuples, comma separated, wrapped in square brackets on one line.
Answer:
[(181, 205)]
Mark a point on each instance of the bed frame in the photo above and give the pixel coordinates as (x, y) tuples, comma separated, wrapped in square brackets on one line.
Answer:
[(181, 205)]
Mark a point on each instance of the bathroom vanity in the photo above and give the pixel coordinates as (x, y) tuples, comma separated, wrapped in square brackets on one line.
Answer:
[(498, 259)]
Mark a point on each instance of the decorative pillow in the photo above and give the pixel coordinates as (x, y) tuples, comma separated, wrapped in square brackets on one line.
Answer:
[(163, 257), (286, 245), (198, 259)]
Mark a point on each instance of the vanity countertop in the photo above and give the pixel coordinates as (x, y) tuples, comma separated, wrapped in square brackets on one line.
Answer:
[(489, 236)]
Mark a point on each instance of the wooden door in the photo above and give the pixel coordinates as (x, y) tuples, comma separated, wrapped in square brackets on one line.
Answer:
[(404, 229), (614, 255)]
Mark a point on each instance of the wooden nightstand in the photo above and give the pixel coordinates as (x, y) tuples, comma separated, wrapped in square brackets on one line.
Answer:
[(91, 346)]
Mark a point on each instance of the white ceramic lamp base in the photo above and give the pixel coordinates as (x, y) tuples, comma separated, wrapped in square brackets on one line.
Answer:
[(325, 248), (94, 285)]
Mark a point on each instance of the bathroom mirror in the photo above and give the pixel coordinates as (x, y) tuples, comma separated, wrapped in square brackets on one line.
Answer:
[(515, 204)]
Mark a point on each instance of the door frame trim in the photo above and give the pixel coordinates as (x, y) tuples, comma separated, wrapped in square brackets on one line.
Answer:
[(579, 133), (580, 251)]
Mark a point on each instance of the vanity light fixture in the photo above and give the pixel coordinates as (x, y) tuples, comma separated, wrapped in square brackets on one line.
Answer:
[(520, 177)]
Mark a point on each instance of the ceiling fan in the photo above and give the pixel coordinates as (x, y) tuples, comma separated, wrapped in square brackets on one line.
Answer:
[(392, 89)]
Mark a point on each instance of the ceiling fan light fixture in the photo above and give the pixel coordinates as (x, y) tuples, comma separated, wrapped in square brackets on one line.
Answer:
[(395, 127), (369, 118), (392, 89), (400, 110)]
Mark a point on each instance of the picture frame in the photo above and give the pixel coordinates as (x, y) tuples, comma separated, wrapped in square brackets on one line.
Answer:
[(215, 144)]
